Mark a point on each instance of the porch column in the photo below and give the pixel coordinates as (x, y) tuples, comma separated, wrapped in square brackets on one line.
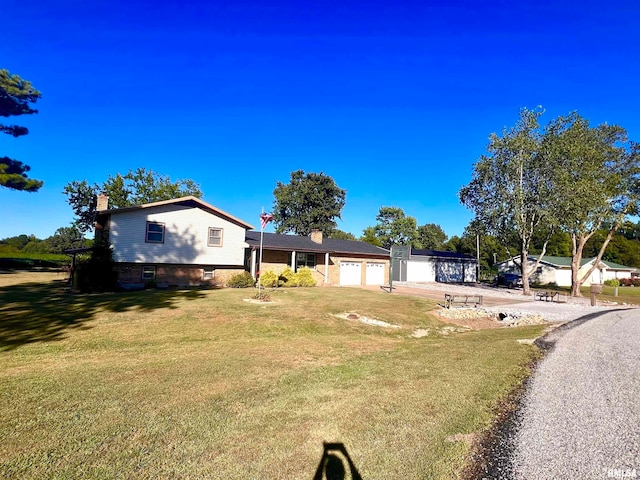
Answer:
[(326, 267), (253, 262), (293, 260)]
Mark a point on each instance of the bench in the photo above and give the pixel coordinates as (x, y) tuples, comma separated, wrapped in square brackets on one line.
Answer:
[(462, 300), (547, 296)]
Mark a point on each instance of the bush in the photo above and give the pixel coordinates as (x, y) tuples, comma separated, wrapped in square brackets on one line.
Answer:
[(241, 280), (630, 282), (97, 273), (268, 279), (304, 278), (613, 282), (288, 278)]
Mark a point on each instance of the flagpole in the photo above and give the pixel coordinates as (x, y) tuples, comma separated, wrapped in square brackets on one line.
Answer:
[(261, 236)]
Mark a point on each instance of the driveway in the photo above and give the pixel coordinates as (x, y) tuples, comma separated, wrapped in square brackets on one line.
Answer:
[(579, 417)]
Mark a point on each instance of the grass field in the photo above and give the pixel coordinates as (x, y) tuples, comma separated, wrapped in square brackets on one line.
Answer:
[(202, 384)]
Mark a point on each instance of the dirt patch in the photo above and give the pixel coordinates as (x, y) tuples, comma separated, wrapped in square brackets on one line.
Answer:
[(480, 323)]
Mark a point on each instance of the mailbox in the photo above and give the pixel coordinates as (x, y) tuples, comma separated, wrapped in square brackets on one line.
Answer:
[(596, 288)]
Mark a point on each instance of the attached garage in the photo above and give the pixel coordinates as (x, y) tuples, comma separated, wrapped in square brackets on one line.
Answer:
[(375, 273), (350, 273)]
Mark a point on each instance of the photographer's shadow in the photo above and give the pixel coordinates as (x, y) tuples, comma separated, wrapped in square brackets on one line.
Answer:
[(331, 466)]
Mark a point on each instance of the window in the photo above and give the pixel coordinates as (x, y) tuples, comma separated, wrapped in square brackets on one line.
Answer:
[(155, 232), (148, 273), (208, 274), (306, 260), (215, 237)]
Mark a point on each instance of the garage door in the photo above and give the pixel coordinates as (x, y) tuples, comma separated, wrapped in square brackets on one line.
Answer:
[(375, 273), (350, 273)]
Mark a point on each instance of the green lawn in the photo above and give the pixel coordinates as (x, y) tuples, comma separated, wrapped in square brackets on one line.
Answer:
[(630, 295), (201, 384)]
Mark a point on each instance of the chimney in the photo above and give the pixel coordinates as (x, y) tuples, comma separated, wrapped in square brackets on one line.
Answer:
[(103, 202), (316, 236)]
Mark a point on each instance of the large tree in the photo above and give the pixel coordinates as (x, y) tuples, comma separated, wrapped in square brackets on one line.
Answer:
[(596, 183), (395, 228), (430, 236), (16, 97), (510, 190), (134, 188), (310, 201)]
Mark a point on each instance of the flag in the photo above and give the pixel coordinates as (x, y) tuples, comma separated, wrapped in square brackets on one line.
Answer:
[(265, 218)]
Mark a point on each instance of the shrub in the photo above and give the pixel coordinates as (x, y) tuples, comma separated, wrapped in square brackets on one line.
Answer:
[(241, 280), (97, 274), (288, 278), (304, 278), (268, 279), (613, 282)]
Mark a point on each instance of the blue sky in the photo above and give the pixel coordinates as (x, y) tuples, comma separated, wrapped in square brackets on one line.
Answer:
[(394, 100)]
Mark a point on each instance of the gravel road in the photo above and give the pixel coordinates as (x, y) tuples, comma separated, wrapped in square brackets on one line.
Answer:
[(579, 417)]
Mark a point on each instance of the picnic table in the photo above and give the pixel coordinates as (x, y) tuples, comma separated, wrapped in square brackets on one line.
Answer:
[(547, 295)]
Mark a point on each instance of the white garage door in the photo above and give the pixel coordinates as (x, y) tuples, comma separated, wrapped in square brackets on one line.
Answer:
[(350, 273), (375, 273)]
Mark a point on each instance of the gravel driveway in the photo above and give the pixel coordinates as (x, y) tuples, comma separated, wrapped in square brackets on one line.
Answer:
[(580, 415), (512, 302)]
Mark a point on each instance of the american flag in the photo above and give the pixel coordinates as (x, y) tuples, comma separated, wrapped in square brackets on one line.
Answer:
[(265, 218)]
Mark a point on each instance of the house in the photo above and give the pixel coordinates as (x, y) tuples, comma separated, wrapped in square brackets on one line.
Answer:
[(416, 265), (332, 261), (557, 270), (183, 241), (186, 241)]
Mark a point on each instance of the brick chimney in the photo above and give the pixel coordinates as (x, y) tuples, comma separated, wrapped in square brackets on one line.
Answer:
[(103, 202), (316, 236)]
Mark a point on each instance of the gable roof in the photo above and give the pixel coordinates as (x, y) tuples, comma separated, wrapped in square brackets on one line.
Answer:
[(565, 262), (440, 254), (299, 243), (189, 201)]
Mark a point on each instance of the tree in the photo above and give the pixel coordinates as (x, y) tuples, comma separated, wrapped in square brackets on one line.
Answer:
[(394, 227), (66, 238), (430, 236), (16, 95), (369, 236), (135, 188), (510, 191), (308, 202), (340, 235), (596, 183)]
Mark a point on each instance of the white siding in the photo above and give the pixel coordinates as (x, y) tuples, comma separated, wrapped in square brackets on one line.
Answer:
[(185, 238)]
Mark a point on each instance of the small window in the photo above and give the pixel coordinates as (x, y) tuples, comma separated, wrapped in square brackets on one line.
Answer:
[(208, 274), (306, 260), (148, 273), (215, 237), (539, 270), (155, 232)]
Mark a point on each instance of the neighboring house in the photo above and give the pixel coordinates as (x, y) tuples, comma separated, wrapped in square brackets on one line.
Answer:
[(332, 261), (557, 270), (183, 241), (434, 266)]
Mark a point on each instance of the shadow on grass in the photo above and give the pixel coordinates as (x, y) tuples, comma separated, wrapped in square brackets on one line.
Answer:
[(44, 312)]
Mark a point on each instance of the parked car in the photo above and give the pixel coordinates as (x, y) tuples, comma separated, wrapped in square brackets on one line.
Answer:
[(511, 280)]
